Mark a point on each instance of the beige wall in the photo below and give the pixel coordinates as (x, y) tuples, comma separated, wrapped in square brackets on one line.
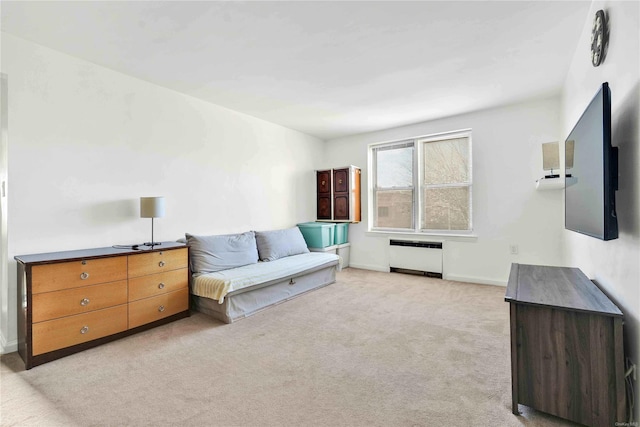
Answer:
[(614, 265), (86, 142), (507, 209)]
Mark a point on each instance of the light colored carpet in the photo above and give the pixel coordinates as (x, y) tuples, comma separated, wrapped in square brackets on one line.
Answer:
[(373, 349)]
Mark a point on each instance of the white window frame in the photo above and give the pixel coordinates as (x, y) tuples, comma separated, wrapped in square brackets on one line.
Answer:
[(373, 184), (418, 178)]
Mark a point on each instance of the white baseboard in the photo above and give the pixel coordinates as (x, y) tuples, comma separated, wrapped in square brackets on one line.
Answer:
[(479, 280), (369, 267), (7, 347), (452, 277)]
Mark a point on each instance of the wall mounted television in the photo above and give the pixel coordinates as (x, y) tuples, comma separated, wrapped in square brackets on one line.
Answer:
[(591, 166)]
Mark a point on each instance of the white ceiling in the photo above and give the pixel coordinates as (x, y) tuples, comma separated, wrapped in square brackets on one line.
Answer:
[(328, 69)]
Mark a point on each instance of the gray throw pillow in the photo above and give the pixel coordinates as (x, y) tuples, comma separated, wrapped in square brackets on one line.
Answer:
[(215, 253), (280, 243)]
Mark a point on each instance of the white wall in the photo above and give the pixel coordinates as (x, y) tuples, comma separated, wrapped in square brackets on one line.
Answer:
[(86, 142), (614, 265), (507, 209)]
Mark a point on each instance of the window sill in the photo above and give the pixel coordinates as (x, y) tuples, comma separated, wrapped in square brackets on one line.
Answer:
[(423, 236)]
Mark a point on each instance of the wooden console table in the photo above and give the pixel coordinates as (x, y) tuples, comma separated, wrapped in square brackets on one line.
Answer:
[(566, 346)]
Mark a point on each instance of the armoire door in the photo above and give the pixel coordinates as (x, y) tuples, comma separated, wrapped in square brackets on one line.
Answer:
[(323, 179), (341, 194)]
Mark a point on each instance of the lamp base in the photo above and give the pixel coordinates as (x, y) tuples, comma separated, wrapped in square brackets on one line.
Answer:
[(152, 244)]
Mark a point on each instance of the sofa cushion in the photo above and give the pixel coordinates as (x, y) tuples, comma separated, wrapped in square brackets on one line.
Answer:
[(276, 244), (221, 252)]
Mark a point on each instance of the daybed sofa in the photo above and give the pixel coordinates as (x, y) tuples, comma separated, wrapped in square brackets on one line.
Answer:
[(236, 275)]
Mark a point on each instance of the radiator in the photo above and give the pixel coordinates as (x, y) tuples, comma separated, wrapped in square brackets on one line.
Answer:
[(416, 256)]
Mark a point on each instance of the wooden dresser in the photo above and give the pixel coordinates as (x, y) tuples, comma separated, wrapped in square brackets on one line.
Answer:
[(74, 300), (566, 346)]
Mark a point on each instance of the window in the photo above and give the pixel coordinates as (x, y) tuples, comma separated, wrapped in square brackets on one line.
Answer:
[(394, 189), (422, 185)]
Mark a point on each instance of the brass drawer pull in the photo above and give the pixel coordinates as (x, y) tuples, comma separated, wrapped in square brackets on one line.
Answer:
[(161, 263), (84, 301), (84, 330), (161, 308), (161, 286), (84, 275)]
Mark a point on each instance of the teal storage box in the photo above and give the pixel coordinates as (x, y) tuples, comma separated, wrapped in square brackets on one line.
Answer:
[(318, 234), (342, 233)]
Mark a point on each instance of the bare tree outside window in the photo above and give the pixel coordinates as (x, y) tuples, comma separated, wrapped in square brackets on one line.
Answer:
[(446, 185), (432, 194)]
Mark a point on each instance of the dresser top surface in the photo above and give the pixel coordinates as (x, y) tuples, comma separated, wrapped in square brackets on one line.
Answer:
[(559, 287), (50, 257)]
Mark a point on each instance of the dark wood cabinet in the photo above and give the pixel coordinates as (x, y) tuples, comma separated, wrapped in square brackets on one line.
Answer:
[(566, 346), (338, 194)]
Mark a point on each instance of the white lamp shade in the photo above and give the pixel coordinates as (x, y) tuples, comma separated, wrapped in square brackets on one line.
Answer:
[(550, 156), (151, 207)]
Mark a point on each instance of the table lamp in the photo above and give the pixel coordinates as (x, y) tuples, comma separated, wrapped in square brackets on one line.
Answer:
[(152, 207)]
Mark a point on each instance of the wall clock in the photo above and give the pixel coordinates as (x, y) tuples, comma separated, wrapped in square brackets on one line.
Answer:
[(599, 38)]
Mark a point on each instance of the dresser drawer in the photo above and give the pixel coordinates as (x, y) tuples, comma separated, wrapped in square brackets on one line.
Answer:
[(51, 305), (67, 331), (157, 262), (156, 284), (74, 274), (155, 308)]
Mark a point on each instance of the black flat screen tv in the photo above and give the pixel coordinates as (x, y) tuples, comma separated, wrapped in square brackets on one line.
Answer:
[(592, 172)]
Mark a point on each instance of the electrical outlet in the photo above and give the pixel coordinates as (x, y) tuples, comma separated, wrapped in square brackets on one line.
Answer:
[(513, 249)]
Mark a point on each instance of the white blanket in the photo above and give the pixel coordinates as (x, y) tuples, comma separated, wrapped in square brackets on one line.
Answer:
[(217, 285)]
